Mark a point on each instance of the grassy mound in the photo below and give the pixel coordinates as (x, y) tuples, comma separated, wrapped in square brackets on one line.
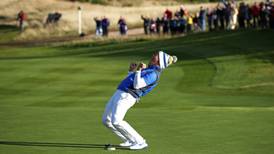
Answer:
[(219, 97)]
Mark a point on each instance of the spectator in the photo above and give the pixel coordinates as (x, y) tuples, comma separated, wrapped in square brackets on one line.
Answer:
[(215, 19), (168, 14), (196, 22), (99, 31), (152, 26), (189, 23), (173, 26), (202, 19), (269, 6), (209, 19), (165, 24), (255, 11), (221, 16), (249, 16), (234, 14), (177, 14), (105, 25), (182, 25), (146, 24), (263, 15), (158, 25), (271, 17), (122, 26), (243, 15), (21, 18), (227, 13), (183, 11)]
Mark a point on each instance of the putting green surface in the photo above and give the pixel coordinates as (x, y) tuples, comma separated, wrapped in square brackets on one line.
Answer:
[(218, 98)]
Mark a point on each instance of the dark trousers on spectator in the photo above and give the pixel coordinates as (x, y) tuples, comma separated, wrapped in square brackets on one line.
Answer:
[(255, 21)]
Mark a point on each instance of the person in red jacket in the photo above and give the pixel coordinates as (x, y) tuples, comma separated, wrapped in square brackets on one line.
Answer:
[(21, 18), (255, 11), (168, 14)]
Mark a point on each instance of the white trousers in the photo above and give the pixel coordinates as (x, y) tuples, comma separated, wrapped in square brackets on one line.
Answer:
[(114, 114)]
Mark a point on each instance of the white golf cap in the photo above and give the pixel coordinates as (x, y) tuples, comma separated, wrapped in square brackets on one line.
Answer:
[(166, 60)]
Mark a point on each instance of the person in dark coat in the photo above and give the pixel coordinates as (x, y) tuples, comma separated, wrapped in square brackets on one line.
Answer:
[(196, 22), (271, 17), (209, 19), (122, 26), (227, 13), (158, 25), (105, 25), (243, 15), (221, 16), (98, 23), (146, 24), (183, 11), (215, 19), (249, 16), (263, 15), (165, 25)]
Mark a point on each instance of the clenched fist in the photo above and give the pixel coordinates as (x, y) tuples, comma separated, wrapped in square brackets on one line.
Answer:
[(132, 67), (141, 66)]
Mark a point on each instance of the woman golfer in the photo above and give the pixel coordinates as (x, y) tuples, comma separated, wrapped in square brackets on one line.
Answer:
[(140, 81)]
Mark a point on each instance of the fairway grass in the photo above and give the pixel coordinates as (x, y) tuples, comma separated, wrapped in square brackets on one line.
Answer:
[(218, 98)]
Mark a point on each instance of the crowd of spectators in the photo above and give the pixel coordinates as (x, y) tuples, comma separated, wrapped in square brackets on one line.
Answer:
[(227, 15)]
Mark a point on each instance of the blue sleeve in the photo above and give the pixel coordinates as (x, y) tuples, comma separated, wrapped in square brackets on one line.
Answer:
[(150, 78)]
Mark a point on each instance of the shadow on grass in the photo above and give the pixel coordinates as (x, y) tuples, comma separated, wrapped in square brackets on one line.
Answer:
[(3, 17), (61, 145), (191, 47), (7, 27)]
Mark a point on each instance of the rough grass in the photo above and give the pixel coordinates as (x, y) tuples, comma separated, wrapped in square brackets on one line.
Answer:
[(217, 99)]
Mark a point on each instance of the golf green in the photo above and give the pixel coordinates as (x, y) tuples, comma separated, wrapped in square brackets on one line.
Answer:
[(218, 98)]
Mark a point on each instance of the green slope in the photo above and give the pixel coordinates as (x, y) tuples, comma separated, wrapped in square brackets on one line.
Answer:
[(218, 98)]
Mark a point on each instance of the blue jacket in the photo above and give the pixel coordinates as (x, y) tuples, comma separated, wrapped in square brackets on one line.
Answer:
[(151, 76)]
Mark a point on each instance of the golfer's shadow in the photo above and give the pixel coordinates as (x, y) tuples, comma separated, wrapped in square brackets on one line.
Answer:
[(50, 144)]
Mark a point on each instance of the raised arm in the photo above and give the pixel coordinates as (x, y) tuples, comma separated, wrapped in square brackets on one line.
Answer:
[(225, 3)]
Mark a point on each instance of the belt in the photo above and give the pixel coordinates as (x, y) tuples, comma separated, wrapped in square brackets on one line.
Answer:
[(132, 93)]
